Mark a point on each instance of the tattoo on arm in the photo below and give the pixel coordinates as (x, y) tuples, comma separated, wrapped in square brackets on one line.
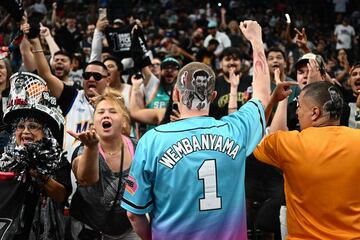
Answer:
[(259, 64)]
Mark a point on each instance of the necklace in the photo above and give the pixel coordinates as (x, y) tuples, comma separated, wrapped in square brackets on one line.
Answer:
[(112, 153)]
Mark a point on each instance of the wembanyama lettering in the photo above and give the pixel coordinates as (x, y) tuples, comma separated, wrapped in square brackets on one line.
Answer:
[(187, 146)]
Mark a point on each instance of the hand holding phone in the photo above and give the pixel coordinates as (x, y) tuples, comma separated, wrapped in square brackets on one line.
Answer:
[(102, 13), (288, 20)]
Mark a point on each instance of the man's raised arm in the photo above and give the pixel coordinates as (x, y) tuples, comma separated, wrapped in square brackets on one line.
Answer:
[(261, 75)]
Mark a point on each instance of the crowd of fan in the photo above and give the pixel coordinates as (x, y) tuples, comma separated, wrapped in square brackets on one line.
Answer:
[(75, 33)]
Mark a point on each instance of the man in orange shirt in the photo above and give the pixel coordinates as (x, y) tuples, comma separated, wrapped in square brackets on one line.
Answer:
[(321, 166)]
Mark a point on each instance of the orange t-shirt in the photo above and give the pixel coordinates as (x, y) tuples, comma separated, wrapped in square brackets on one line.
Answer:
[(321, 168)]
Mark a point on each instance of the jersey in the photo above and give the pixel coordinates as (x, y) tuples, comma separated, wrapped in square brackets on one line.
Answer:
[(78, 113), (78, 119), (321, 171), (159, 98), (189, 175)]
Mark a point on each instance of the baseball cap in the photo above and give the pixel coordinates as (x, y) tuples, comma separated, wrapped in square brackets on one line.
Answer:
[(118, 21), (306, 57), (212, 24), (170, 61)]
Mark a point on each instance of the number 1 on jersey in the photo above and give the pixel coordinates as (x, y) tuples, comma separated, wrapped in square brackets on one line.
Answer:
[(207, 173)]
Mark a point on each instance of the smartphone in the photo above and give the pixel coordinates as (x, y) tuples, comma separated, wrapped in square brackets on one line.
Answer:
[(288, 20), (138, 75), (175, 106), (102, 13)]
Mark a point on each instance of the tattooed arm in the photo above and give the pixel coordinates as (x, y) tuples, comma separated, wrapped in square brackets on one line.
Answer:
[(261, 77)]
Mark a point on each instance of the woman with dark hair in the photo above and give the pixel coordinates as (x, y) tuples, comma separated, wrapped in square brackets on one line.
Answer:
[(34, 178)]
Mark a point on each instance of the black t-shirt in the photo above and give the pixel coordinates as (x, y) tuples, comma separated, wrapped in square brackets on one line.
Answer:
[(207, 57), (70, 41), (219, 107)]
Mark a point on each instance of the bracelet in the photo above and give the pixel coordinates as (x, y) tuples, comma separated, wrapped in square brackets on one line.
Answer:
[(37, 51), (232, 108)]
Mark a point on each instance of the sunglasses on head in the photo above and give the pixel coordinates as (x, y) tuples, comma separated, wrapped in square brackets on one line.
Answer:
[(97, 76)]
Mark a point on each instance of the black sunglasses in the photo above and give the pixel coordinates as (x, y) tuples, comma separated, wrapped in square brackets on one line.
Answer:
[(97, 76)]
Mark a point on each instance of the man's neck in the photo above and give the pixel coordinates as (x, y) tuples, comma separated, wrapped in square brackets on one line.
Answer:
[(186, 113)]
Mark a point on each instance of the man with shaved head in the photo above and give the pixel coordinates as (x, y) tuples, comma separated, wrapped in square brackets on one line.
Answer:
[(320, 166), (189, 174)]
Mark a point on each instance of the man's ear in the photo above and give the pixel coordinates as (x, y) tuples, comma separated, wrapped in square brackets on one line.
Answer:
[(315, 113), (213, 96), (176, 95)]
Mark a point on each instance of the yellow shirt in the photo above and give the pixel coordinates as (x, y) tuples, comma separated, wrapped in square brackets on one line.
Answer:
[(322, 180)]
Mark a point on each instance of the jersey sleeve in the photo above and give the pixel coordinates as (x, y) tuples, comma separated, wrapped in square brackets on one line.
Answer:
[(137, 196), (248, 124)]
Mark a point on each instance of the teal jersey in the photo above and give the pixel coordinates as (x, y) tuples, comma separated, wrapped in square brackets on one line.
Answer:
[(189, 175), (160, 100)]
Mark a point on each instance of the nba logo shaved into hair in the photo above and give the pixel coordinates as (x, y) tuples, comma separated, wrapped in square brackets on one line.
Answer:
[(197, 92)]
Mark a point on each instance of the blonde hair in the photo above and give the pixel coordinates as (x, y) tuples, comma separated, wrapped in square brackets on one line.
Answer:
[(116, 97)]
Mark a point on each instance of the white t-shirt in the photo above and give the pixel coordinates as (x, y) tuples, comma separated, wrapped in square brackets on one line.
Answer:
[(223, 39), (344, 34)]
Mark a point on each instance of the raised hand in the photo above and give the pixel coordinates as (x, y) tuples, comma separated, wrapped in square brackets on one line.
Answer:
[(277, 75), (234, 79), (301, 38), (44, 31), (282, 90), (89, 138), (102, 23), (251, 30), (314, 74), (136, 82)]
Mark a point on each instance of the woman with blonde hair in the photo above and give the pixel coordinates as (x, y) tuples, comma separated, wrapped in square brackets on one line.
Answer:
[(101, 164)]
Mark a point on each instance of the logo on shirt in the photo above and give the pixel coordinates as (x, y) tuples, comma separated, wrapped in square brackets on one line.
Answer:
[(131, 185)]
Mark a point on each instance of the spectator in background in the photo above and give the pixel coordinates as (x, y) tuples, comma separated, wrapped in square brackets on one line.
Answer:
[(155, 67), (342, 67), (230, 61), (85, 44), (207, 55), (344, 35), (68, 36), (5, 73), (75, 74), (353, 98), (222, 38)]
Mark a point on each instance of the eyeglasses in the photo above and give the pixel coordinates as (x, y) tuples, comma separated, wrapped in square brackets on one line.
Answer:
[(97, 76), (31, 126)]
